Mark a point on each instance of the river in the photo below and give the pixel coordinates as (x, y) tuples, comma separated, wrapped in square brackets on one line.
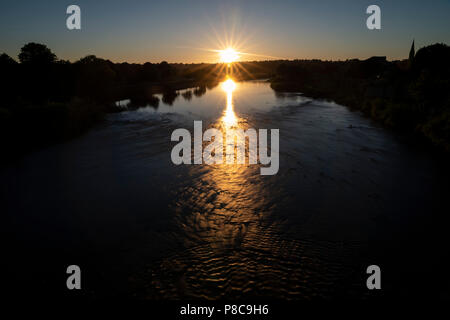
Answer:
[(348, 194)]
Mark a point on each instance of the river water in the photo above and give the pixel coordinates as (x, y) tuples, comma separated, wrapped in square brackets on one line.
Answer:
[(348, 194)]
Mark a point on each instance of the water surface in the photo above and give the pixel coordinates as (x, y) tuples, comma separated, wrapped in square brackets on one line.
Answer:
[(348, 194)]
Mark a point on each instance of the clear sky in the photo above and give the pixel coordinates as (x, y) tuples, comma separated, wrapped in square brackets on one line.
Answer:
[(183, 31)]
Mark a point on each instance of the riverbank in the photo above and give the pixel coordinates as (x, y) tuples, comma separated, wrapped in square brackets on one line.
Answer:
[(47, 100), (30, 126), (411, 96)]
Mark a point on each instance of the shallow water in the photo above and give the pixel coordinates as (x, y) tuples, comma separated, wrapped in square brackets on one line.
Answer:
[(348, 194)]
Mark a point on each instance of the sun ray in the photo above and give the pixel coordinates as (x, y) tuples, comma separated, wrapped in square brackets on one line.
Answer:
[(239, 66)]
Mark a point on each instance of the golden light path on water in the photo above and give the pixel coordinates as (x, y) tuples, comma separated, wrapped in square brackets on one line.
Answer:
[(229, 118), (232, 245), (224, 216)]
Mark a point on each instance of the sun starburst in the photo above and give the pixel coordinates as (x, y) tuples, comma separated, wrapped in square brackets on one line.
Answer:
[(229, 55)]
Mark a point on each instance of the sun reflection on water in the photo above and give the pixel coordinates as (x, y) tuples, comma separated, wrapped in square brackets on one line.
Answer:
[(229, 118), (222, 215)]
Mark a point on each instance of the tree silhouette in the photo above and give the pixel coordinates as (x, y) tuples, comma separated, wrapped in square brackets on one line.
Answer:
[(37, 54), (6, 60), (95, 77), (165, 70)]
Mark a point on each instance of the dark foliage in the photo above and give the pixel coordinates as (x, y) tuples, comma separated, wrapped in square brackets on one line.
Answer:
[(45, 99), (411, 95)]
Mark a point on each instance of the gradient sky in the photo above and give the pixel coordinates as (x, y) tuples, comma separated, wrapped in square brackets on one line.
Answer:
[(180, 31)]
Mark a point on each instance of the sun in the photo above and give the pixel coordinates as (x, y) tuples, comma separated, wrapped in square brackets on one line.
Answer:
[(228, 55), (229, 85)]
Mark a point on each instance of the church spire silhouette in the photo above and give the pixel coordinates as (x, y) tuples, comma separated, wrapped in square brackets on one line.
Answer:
[(412, 53)]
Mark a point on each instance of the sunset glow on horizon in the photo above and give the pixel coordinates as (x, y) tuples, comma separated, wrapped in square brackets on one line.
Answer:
[(245, 31)]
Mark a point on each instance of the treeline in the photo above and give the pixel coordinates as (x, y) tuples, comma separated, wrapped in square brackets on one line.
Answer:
[(46, 99), (411, 95)]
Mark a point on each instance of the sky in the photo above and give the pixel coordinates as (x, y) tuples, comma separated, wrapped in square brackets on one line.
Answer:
[(189, 31)]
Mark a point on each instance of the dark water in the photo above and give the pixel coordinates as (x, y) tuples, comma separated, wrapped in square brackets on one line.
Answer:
[(348, 194)]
